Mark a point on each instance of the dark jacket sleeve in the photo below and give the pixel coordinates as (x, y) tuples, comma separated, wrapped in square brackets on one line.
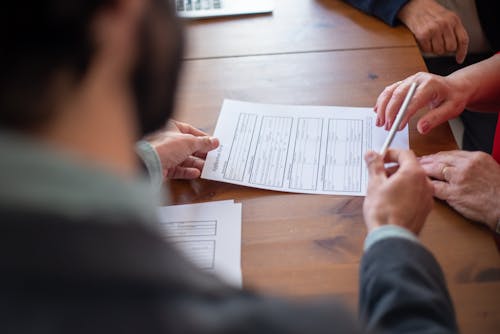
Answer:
[(403, 290), (98, 276), (386, 10)]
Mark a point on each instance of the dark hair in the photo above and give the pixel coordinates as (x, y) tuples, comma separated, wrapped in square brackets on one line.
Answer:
[(38, 38)]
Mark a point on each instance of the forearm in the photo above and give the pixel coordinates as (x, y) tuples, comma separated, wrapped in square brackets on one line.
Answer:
[(386, 10), (482, 84)]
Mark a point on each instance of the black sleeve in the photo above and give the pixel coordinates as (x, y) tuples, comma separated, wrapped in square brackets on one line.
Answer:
[(249, 313), (386, 10), (403, 290)]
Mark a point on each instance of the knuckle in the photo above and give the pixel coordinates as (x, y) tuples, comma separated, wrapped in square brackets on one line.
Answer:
[(451, 47), (424, 35), (452, 18), (206, 141), (461, 176), (384, 93), (421, 74), (478, 158), (399, 92), (388, 89), (190, 141), (435, 28), (422, 78), (463, 40)]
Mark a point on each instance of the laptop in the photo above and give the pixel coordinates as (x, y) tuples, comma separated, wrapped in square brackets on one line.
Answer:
[(214, 8)]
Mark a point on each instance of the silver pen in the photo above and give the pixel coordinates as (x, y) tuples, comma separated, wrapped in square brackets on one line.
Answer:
[(399, 118)]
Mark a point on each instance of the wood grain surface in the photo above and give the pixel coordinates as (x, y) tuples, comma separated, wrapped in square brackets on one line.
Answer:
[(310, 245), (294, 26)]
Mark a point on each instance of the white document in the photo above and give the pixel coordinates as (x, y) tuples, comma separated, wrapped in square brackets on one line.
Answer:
[(303, 149), (208, 234)]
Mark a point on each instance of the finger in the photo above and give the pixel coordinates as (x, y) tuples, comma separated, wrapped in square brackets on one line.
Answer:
[(444, 112), (203, 144), (449, 158), (382, 102), (450, 40), (424, 94), (179, 172), (201, 155), (436, 170), (395, 103), (425, 44), (438, 44), (417, 102), (442, 190), (189, 129), (193, 162), (375, 165), (391, 170), (463, 43), (405, 158)]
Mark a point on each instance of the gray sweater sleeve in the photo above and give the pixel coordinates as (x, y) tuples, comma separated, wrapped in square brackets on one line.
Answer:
[(151, 162)]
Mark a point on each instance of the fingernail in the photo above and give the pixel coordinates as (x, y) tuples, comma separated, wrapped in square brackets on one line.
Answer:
[(370, 156), (213, 140), (377, 123), (424, 128)]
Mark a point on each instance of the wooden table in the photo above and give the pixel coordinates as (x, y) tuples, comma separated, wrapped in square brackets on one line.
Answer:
[(294, 26), (310, 245)]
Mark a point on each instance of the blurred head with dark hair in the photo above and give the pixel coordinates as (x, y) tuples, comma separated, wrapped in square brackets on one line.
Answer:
[(95, 63)]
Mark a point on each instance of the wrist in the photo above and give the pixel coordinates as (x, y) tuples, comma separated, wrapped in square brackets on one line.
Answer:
[(151, 160), (404, 14), (375, 225), (408, 11), (386, 232), (465, 86)]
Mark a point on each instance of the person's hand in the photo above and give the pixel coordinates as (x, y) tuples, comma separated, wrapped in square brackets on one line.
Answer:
[(436, 29), (468, 181), (390, 199), (182, 150), (445, 97)]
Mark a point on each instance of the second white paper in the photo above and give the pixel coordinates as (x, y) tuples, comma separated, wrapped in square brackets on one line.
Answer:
[(208, 234), (303, 149)]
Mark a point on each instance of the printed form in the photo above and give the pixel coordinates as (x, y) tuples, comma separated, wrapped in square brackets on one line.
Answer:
[(208, 234), (303, 149)]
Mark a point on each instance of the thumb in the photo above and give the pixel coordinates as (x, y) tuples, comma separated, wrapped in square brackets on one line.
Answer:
[(437, 116), (375, 164), (203, 144)]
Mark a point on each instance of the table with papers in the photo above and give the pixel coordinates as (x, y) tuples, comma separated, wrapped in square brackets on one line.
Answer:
[(303, 149), (208, 234), (320, 53)]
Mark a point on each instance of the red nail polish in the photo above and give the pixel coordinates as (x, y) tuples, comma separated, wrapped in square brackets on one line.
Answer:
[(425, 127)]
